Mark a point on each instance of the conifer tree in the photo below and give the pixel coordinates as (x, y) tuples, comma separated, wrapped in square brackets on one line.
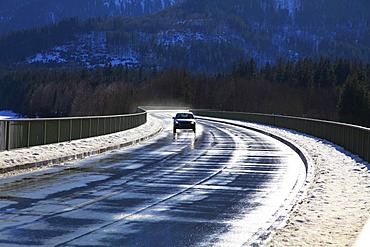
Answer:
[(354, 103)]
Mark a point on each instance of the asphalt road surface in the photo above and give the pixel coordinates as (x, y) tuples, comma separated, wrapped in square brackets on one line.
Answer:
[(222, 186)]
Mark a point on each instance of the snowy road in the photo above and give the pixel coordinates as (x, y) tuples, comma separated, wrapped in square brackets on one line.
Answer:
[(222, 186)]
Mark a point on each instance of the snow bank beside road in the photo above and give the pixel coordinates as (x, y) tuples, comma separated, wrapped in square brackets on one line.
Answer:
[(337, 205), (4, 114), (338, 201), (40, 156)]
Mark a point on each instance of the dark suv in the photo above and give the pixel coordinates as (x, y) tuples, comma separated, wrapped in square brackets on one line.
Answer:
[(184, 120)]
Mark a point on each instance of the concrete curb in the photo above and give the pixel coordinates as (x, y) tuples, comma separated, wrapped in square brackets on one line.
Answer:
[(43, 163)]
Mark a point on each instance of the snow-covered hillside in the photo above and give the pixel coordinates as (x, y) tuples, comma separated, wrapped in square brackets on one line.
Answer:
[(20, 14), (89, 50), (125, 7), (5, 114), (207, 35)]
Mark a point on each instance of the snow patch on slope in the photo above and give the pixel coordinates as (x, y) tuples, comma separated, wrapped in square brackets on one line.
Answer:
[(6, 114), (90, 50), (126, 6), (291, 5)]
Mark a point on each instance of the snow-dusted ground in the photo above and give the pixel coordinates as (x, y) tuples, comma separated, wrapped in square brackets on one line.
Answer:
[(337, 204), (26, 159), (333, 213), (4, 114)]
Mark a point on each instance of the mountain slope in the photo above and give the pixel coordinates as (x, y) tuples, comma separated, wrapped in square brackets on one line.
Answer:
[(20, 14), (203, 36)]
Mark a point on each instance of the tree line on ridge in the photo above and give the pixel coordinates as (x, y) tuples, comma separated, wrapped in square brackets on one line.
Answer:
[(338, 90)]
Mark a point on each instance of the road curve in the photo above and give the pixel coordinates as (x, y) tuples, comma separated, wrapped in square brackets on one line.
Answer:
[(223, 186)]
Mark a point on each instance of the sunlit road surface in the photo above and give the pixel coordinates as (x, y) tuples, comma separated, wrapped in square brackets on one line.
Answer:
[(219, 187)]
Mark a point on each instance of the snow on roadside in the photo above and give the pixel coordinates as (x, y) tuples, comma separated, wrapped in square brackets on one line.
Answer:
[(73, 149), (337, 204), (4, 114), (333, 214)]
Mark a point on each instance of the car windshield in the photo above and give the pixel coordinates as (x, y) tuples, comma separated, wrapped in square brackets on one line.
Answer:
[(184, 116)]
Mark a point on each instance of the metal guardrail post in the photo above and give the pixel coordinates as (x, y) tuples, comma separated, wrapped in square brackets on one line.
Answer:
[(44, 141), (367, 146), (80, 128), (7, 135), (90, 127), (70, 130), (104, 127), (58, 138), (29, 134)]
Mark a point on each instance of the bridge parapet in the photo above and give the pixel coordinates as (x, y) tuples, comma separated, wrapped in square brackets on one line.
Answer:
[(355, 139), (21, 133)]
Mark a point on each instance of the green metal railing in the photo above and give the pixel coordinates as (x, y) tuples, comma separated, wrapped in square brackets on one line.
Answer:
[(353, 138), (20, 133)]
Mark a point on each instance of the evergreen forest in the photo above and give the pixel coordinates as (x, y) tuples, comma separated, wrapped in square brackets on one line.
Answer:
[(333, 90)]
